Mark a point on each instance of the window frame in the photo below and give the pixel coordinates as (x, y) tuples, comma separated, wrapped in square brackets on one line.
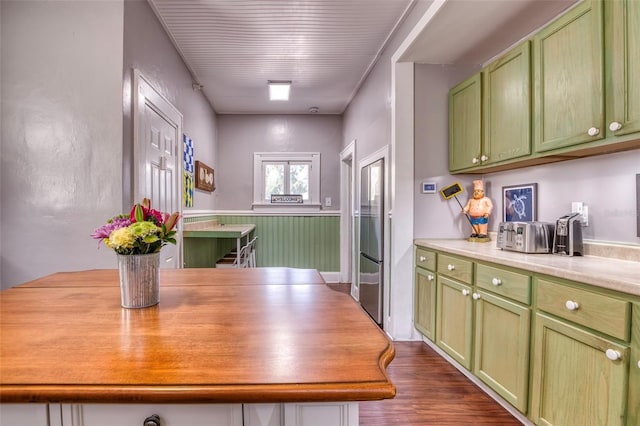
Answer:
[(259, 160)]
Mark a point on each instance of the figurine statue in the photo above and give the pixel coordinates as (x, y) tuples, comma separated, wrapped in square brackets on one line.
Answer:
[(478, 210)]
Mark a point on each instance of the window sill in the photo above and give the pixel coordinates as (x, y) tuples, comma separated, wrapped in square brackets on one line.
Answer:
[(286, 208)]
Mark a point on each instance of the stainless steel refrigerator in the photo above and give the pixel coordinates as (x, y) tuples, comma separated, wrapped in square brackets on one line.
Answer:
[(372, 239)]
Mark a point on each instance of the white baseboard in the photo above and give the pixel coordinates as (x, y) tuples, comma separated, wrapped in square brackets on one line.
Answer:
[(331, 277)]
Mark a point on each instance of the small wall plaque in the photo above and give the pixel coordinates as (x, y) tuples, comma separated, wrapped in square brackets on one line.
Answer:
[(286, 199), (204, 177)]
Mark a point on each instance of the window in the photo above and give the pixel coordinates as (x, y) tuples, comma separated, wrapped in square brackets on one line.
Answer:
[(285, 174)]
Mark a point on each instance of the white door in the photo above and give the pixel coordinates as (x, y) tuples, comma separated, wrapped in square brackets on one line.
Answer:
[(157, 140)]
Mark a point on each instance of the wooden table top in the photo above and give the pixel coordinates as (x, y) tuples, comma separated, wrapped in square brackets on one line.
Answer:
[(65, 338), (215, 230), (186, 277)]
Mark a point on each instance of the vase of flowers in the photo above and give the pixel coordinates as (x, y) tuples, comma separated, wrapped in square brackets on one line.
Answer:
[(137, 239)]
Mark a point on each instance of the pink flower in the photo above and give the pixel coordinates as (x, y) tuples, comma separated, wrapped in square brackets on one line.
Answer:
[(114, 223)]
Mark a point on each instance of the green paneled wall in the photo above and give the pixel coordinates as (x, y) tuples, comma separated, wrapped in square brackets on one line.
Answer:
[(293, 241)]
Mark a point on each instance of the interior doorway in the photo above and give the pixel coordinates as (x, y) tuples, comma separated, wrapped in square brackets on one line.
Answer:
[(347, 217)]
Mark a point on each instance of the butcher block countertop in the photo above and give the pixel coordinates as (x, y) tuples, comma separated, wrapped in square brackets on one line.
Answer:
[(609, 273), (217, 336)]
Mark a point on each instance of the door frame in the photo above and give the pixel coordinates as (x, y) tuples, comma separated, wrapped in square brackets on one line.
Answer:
[(144, 93), (347, 217)]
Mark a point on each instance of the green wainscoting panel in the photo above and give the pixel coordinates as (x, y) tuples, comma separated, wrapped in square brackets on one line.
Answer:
[(291, 241)]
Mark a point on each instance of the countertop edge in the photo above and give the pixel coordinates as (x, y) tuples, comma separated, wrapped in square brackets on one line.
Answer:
[(215, 394), (540, 263)]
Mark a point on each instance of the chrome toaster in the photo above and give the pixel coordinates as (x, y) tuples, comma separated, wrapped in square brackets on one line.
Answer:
[(526, 237)]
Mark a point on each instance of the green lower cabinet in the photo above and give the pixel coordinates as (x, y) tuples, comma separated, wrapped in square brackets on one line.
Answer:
[(633, 404), (454, 320), (574, 380), (425, 303), (501, 354)]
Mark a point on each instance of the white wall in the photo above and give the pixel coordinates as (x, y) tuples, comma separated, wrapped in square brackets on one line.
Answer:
[(242, 135), (61, 133), (64, 137), (148, 48), (368, 116)]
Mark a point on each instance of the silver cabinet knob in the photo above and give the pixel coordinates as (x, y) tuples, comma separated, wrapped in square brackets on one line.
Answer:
[(475, 160), (496, 281), (484, 158), (593, 131), (476, 296), (422, 258), (430, 277), (614, 126), (451, 267), (465, 292), (153, 420)]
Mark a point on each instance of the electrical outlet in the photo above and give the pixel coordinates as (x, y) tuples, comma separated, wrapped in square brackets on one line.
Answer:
[(327, 202), (580, 207)]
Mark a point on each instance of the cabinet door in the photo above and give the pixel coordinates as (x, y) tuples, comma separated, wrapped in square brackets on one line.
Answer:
[(424, 313), (454, 320), (465, 123), (568, 78), (501, 356), (622, 28), (507, 107), (633, 415), (574, 383)]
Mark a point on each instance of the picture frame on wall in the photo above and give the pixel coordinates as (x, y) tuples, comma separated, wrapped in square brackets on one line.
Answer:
[(520, 203), (204, 177)]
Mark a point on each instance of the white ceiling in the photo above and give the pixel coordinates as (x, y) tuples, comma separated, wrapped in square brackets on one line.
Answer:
[(327, 47)]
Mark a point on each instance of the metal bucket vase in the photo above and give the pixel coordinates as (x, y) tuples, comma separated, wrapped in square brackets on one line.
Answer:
[(139, 280)]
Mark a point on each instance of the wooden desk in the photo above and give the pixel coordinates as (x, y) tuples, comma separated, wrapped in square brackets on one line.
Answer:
[(65, 338), (211, 229)]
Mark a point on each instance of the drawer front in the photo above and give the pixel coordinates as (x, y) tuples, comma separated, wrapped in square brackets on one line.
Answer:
[(597, 311), (455, 267), (425, 258), (514, 285)]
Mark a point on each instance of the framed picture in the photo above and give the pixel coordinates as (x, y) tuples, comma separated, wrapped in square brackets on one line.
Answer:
[(519, 203), (204, 177)]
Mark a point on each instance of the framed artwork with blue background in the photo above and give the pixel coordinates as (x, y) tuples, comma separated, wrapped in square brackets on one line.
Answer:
[(519, 203)]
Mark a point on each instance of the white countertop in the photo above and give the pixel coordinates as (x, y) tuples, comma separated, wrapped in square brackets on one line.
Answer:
[(613, 274)]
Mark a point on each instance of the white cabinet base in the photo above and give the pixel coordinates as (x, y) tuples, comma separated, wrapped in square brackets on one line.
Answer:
[(24, 414), (290, 414)]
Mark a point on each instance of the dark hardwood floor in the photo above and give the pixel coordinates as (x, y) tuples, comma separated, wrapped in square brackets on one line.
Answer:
[(429, 391)]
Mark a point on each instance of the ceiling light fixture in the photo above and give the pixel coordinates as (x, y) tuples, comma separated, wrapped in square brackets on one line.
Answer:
[(279, 90), (314, 109)]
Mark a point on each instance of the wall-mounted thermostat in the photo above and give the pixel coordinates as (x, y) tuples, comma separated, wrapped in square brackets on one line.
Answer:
[(428, 187)]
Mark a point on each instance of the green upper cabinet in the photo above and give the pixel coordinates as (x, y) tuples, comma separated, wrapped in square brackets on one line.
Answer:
[(569, 79), (507, 106), (622, 39), (465, 123)]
